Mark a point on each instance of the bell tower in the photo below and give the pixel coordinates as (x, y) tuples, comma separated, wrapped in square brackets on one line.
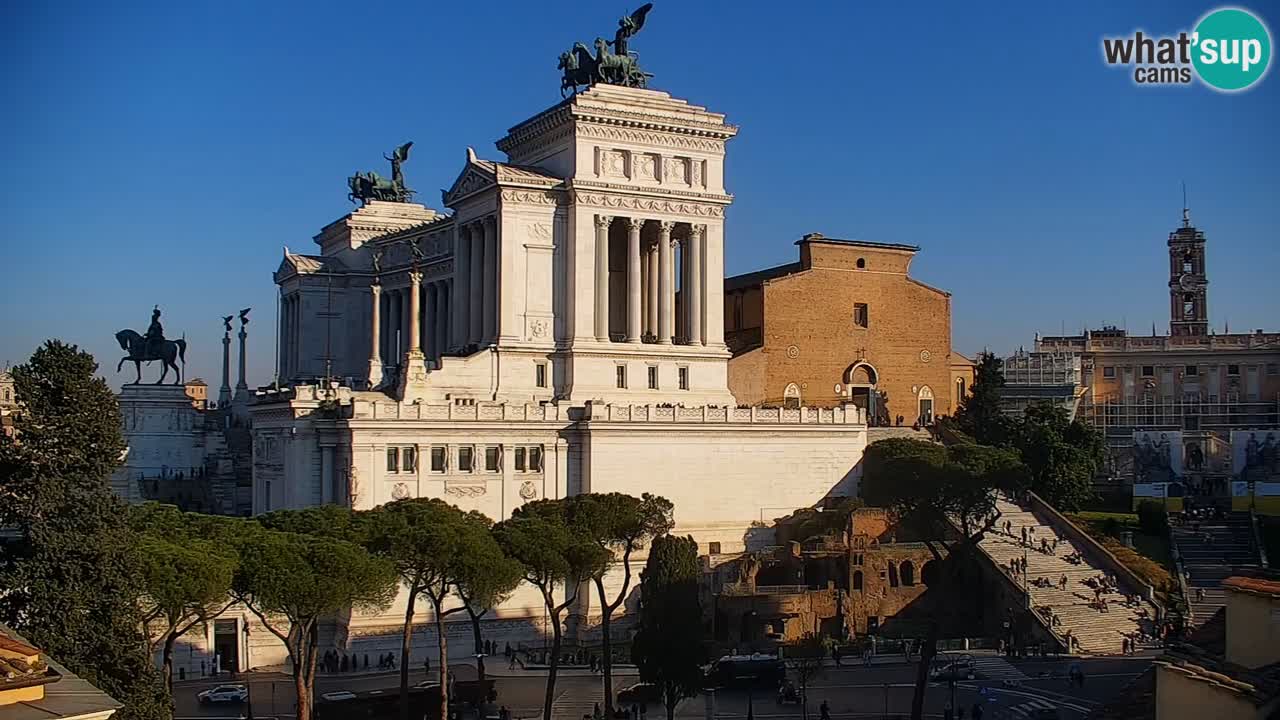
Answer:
[(1188, 285)]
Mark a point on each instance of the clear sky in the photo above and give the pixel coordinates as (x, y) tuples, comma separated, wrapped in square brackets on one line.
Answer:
[(165, 152)]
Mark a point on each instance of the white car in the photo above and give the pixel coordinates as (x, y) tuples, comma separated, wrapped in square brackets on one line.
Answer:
[(224, 693)]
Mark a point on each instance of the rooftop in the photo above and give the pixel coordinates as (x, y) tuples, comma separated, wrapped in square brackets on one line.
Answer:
[(65, 694), (815, 237)]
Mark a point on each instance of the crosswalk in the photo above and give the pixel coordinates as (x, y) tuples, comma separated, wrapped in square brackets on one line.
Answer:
[(576, 702), (996, 668), (1029, 709)]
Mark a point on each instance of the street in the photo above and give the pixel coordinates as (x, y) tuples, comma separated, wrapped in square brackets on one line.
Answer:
[(849, 691)]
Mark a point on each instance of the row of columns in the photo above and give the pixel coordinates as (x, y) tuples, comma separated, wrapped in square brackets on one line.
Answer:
[(651, 282), (410, 318), (290, 336), (475, 292)]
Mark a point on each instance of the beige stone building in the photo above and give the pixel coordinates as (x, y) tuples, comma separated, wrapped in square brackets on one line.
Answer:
[(1231, 669), (846, 323)]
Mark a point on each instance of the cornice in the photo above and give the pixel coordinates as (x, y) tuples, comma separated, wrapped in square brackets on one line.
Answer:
[(649, 204)]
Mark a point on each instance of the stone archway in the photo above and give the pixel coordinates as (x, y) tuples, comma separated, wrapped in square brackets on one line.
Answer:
[(791, 397), (860, 380), (925, 400)]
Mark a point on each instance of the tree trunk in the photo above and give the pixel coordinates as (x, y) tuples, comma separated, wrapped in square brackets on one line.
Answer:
[(479, 642), (169, 640), (606, 648), (309, 664), (442, 644), (406, 646), (927, 652), (555, 662)]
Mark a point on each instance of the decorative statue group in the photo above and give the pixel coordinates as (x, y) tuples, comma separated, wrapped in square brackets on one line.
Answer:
[(372, 186), (619, 67), (152, 346)]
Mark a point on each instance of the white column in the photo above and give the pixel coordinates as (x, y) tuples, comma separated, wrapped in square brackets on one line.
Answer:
[(430, 296), (602, 277), (633, 279), (666, 276), (461, 286), (651, 308), (413, 320), (693, 290), (475, 328), (326, 474), (490, 327), (444, 306), (375, 344), (713, 290)]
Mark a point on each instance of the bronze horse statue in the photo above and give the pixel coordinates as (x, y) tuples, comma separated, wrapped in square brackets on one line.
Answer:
[(171, 352)]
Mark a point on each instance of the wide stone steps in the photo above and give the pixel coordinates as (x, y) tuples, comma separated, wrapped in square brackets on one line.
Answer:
[(1211, 552), (1097, 632)]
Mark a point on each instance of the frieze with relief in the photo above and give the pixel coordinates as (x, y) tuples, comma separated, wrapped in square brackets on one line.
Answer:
[(650, 204)]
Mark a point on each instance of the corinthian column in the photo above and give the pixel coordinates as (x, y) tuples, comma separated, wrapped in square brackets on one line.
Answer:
[(666, 293), (651, 287), (460, 303), (693, 292), (475, 301), (602, 277), (633, 279), (415, 316), (375, 344), (490, 327)]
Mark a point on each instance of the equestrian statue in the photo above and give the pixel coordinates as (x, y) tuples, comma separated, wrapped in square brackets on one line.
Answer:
[(152, 346), (619, 67), (372, 186)]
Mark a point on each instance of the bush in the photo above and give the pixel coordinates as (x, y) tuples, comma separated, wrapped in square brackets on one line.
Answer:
[(1152, 518)]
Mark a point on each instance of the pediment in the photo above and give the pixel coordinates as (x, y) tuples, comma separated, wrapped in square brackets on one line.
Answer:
[(474, 177)]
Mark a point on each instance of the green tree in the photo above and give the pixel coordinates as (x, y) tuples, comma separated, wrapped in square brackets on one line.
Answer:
[(432, 545), (1063, 455), (946, 498), (485, 577), (980, 416), (668, 647), (290, 581), (554, 553), (70, 568), (186, 578), (619, 525)]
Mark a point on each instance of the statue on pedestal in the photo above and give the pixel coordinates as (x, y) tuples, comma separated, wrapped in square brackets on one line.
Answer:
[(152, 346), (620, 67), (372, 186)]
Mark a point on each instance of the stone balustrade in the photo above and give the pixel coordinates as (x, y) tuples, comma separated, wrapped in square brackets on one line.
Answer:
[(846, 415)]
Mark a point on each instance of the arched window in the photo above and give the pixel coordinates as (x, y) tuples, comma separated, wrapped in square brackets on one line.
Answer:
[(857, 580), (791, 397), (893, 575), (960, 389), (908, 573)]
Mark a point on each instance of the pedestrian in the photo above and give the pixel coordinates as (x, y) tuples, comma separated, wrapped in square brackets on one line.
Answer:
[(824, 711), (835, 654), (503, 712), (511, 664), (595, 713), (977, 711), (426, 665), (344, 663)]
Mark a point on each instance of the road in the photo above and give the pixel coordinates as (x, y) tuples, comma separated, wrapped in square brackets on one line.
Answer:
[(850, 691)]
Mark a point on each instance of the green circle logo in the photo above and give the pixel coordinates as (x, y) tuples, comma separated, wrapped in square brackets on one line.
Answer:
[(1232, 49)]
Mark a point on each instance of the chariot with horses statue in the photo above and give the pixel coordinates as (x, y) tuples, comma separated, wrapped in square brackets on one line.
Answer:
[(152, 346), (370, 185), (617, 67)]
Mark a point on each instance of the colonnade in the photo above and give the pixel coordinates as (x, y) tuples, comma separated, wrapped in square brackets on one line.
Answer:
[(416, 316), (651, 282), (475, 290)]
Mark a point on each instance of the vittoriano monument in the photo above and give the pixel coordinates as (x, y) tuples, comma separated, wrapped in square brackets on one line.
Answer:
[(619, 67), (152, 346), (372, 186)]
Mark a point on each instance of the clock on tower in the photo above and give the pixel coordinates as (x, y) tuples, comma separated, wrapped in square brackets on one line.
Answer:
[(1188, 286)]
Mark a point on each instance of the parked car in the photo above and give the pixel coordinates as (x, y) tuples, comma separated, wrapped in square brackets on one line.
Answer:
[(338, 696), (639, 693), (224, 693)]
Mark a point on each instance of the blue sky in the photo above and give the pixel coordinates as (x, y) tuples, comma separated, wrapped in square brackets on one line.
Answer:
[(164, 152)]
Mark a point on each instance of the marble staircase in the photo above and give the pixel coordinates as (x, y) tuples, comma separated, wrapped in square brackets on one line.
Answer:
[(1212, 551), (1097, 632)]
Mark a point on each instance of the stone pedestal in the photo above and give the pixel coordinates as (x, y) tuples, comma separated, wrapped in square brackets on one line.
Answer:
[(164, 435)]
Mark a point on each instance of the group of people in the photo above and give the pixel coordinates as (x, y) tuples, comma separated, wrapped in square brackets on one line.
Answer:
[(334, 661)]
